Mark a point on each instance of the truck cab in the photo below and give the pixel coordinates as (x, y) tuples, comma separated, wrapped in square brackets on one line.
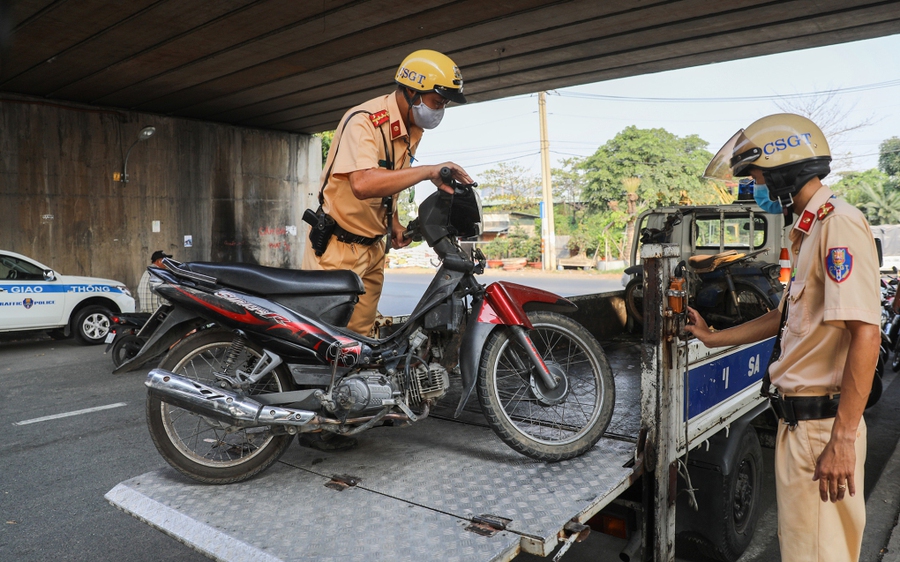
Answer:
[(712, 229)]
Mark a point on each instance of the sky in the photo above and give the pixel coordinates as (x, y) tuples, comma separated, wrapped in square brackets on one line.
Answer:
[(710, 101)]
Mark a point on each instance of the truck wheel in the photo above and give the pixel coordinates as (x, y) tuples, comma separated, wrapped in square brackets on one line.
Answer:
[(731, 520), (634, 299), (547, 425), (91, 324), (202, 448)]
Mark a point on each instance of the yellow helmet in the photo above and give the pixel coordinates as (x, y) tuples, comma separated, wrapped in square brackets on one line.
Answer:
[(431, 71), (789, 150)]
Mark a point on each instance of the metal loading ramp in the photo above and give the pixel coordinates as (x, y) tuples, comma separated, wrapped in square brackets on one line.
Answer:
[(417, 490)]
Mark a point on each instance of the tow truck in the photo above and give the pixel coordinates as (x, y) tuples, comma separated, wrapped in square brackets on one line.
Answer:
[(685, 431)]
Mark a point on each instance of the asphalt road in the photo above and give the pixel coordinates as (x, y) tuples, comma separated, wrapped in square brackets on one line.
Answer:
[(55, 468)]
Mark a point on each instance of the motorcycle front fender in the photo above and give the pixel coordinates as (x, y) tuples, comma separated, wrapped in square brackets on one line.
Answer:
[(504, 304), (470, 352)]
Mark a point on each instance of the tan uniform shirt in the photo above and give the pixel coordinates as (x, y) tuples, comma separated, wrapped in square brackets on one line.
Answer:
[(360, 147), (835, 279)]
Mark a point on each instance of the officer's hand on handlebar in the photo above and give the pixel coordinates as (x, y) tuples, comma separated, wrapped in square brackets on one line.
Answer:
[(399, 238), (456, 173)]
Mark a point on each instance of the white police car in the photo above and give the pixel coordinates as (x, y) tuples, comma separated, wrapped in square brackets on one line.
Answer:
[(34, 297)]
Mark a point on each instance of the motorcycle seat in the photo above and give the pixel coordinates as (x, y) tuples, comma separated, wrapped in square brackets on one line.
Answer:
[(707, 263), (262, 280)]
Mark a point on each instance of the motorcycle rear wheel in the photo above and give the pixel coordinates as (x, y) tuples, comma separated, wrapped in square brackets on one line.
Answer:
[(125, 348), (204, 449), (547, 430)]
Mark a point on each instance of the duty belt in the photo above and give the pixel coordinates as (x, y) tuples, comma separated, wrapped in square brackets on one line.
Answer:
[(348, 237), (791, 409)]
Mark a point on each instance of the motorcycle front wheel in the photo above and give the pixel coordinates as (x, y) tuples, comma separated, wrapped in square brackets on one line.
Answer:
[(547, 425), (206, 449)]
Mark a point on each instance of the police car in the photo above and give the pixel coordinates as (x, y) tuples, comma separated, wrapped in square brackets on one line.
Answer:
[(34, 297)]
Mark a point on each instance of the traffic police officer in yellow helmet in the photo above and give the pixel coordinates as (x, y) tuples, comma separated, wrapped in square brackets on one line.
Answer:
[(827, 339), (785, 151), (371, 160)]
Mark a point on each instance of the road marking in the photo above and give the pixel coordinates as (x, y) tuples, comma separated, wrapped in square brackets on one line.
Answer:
[(75, 413)]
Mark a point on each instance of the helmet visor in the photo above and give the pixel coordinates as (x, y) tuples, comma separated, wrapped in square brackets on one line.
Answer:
[(454, 95), (733, 158)]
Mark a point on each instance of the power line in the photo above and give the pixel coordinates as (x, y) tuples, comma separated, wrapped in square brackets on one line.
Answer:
[(851, 89)]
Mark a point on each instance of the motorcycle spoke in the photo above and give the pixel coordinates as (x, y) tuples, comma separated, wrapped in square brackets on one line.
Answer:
[(207, 441)]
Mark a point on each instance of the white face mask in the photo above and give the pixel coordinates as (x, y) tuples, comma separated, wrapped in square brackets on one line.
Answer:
[(426, 117)]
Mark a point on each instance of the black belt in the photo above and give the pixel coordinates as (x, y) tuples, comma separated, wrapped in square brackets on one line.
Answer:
[(348, 237), (792, 409)]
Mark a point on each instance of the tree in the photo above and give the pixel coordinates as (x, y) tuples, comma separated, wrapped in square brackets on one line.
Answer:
[(568, 181), (889, 157), (327, 137), (869, 191), (510, 186), (831, 118), (666, 164)]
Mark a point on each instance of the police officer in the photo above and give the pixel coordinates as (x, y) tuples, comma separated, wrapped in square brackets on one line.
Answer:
[(821, 372), (370, 162)]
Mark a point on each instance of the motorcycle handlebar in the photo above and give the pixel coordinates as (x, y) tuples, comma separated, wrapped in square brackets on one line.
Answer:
[(447, 179)]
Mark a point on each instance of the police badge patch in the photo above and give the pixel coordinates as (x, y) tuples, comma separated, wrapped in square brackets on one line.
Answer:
[(839, 264)]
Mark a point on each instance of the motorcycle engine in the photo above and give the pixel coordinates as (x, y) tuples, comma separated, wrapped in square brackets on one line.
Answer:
[(422, 383), (363, 392)]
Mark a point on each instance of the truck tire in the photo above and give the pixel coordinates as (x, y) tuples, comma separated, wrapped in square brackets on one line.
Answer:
[(547, 425), (634, 299), (91, 324), (204, 449), (729, 522)]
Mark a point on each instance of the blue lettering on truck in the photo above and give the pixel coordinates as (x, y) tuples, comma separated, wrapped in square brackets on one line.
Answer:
[(714, 382)]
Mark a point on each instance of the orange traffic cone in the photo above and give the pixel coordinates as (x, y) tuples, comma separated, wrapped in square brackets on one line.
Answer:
[(785, 261)]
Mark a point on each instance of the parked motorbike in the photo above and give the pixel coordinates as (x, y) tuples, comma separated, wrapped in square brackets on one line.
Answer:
[(727, 289), (223, 405), (123, 339)]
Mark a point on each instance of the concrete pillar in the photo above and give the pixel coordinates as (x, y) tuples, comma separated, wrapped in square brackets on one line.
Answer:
[(238, 193)]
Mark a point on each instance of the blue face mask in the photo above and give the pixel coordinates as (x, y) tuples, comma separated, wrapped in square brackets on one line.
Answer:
[(761, 195)]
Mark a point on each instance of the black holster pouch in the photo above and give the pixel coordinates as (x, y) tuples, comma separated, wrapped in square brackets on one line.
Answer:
[(321, 231)]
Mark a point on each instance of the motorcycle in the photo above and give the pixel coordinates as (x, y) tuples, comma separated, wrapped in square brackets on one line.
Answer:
[(223, 404), (727, 289)]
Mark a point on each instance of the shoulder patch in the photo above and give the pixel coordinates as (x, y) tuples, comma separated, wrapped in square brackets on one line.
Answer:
[(806, 221), (839, 264), (824, 211), (380, 118)]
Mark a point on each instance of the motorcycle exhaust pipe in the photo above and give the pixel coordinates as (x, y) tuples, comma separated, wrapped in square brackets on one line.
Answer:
[(221, 404)]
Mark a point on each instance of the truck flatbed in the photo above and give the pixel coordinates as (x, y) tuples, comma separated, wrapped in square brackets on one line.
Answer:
[(414, 492)]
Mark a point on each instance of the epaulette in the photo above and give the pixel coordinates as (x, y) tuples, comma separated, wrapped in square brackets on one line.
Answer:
[(806, 221), (380, 118), (824, 211)]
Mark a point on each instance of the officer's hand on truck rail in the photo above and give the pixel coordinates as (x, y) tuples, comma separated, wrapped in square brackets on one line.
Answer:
[(697, 327)]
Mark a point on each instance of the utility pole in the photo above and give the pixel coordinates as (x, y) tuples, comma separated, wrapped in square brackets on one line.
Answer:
[(548, 231)]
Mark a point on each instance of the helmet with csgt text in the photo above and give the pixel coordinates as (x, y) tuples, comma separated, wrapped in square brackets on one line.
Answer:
[(788, 149), (431, 71)]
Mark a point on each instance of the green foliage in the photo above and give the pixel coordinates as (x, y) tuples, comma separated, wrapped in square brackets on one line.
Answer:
[(516, 245), (872, 193), (327, 137), (510, 186), (666, 164), (889, 157)]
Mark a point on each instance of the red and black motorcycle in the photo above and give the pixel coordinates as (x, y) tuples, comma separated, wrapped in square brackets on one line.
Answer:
[(225, 403)]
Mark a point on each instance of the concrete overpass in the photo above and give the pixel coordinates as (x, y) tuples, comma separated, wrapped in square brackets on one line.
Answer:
[(234, 88)]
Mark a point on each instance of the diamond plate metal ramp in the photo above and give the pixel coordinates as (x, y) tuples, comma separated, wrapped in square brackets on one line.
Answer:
[(418, 489)]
